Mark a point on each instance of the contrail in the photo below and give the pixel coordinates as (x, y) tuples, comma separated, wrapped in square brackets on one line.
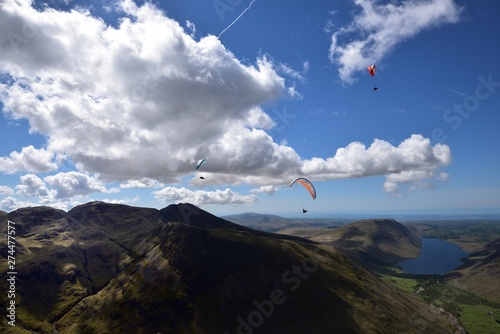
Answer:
[(243, 12)]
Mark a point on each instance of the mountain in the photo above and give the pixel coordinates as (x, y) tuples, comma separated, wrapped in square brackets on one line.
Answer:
[(480, 273), (193, 216), (379, 240), (265, 222), (108, 268), (274, 223)]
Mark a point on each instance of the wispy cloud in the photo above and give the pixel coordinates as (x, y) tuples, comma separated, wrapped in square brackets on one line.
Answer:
[(191, 27), (379, 27), (338, 113), (317, 111)]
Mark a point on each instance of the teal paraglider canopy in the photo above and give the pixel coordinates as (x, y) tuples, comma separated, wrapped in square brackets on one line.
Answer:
[(198, 164)]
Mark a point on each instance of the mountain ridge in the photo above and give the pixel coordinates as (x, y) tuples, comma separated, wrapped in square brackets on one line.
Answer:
[(111, 268)]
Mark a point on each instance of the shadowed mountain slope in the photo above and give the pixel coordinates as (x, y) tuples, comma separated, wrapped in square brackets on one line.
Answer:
[(383, 240), (480, 274), (105, 268)]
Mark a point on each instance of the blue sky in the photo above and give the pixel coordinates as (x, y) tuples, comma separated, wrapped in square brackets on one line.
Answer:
[(117, 100)]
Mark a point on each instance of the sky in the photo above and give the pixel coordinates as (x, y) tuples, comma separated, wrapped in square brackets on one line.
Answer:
[(117, 101)]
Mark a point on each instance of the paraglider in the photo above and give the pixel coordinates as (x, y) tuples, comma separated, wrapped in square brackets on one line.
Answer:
[(307, 184), (198, 164), (371, 70)]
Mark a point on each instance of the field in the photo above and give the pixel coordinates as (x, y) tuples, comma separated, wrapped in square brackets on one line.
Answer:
[(476, 316), (470, 235)]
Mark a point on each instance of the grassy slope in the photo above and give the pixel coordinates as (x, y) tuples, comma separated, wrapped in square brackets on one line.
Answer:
[(225, 271), (470, 311), (480, 274), (470, 235)]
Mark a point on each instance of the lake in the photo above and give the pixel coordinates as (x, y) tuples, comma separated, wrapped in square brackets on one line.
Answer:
[(436, 257)]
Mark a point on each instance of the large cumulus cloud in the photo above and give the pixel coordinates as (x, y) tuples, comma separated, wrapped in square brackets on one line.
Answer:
[(138, 103), (138, 99)]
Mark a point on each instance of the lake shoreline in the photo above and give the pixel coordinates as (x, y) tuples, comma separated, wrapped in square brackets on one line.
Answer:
[(437, 257)]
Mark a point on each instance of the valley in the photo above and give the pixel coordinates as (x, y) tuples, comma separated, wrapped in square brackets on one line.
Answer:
[(470, 294)]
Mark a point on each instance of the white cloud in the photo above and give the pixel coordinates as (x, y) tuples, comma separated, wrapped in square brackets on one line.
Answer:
[(413, 177), (391, 186), (200, 197), (292, 91), (191, 27), (32, 186), (142, 183), (5, 190), (443, 177), (269, 190), (414, 180), (269, 165), (292, 73), (379, 27), (248, 156), (74, 184), (60, 191), (414, 160), (127, 201), (10, 204), (29, 159)]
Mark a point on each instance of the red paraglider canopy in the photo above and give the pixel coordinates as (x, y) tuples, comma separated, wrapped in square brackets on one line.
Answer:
[(371, 69)]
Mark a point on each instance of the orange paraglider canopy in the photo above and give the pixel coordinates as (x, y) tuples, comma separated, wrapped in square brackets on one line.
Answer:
[(307, 184)]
